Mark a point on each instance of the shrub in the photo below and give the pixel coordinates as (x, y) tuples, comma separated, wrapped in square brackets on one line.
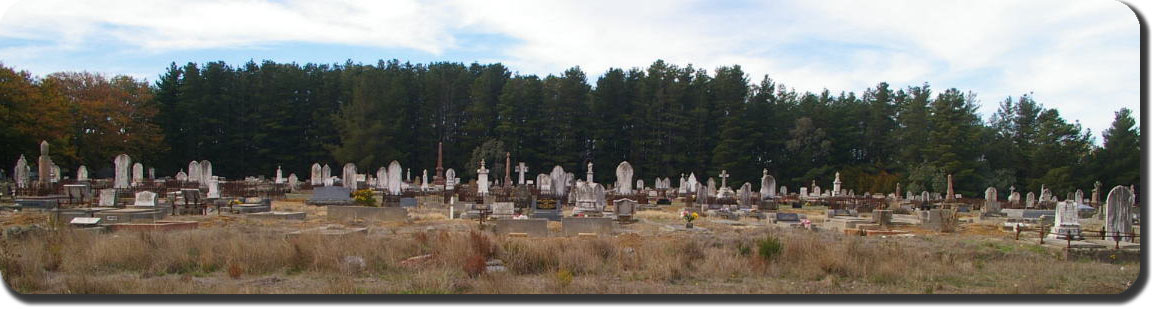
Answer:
[(564, 278), (364, 197), (769, 248), (475, 266)]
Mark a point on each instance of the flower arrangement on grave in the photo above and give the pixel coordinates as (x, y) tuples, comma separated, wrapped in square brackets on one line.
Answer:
[(364, 197), (688, 217), (233, 203)]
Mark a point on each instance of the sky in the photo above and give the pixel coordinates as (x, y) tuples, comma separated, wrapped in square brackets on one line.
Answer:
[(1078, 56)]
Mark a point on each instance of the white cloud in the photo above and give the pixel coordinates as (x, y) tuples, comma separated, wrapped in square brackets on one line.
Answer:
[(1078, 56)]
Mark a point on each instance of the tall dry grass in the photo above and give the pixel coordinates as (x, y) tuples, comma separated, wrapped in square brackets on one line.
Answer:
[(221, 260)]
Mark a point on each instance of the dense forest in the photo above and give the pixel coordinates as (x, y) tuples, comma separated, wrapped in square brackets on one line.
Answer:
[(664, 119)]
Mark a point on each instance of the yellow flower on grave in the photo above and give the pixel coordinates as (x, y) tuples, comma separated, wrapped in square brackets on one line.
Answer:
[(695, 216)]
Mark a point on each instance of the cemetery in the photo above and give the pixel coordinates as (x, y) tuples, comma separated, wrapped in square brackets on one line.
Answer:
[(388, 232)]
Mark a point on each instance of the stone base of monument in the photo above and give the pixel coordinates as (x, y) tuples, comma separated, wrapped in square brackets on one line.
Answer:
[(574, 226), (548, 214), (324, 196), (331, 230), (278, 215), (154, 226), (131, 215), (1073, 232), (531, 227), (66, 215), (357, 213)]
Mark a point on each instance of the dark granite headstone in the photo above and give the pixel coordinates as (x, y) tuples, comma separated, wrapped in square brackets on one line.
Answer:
[(330, 196), (408, 202), (664, 201), (787, 217)]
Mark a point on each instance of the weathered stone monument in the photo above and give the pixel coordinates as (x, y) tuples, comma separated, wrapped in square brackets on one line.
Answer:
[(382, 178), (326, 175), (145, 199), (194, 171), (1030, 200), (691, 183), (137, 173), (950, 188), (450, 179), (121, 164), (21, 172), (279, 176), (483, 179), (521, 170), (837, 183), (82, 173), (349, 176), (1118, 213), (992, 205), (767, 184), (624, 178), (181, 176), (293, 182), (394, 182), (1095, 198), (316, 178), (1066, 224), (558, 180), (44, 164), (107, 198)]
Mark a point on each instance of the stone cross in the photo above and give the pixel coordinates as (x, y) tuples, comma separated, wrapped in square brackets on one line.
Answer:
[(723, 176), (521, 170)]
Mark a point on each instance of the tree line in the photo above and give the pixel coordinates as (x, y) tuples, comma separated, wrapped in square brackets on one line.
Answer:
[(664, 119)]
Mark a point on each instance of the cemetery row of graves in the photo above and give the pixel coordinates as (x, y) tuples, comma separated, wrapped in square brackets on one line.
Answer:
[(523, 204)]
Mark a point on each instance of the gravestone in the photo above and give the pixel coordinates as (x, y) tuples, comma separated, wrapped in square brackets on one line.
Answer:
[(992, 205), (624, 209), (578, 226), (316, 178), (624, 178), (213, 189), (1015, 198), (194, 172), (293, 182), (530, 227), (349, 176), (786, 217), (424, 180), (521, 170), (542, 183), (767, 184), (1030, 200), (1066, 221), (181, 176), (21, 172), (279, 176), (330, 196), (837, 184), (382, 178), (137, 173), (145, 199), (450, 179), (503, 210), (586, 197), (44, 164), (152, 173), (691, 182), (1078, 197), (784, 191), (82, 173), (745, 195), (205, 173), (394, 178), (558, 180), (1118, 213), (326, 176), (483, 179), (122, 163), (640, 185)]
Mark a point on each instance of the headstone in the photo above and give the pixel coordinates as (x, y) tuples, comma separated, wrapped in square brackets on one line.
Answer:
[(382, 181), (145, 199), (837, 184), (326, 176), (44, 164), (1118, 213), (206, 173), (950, 188), (279, 175), (640, 185), (586, 198), (992, 204), (557, 181), (349, 176), (1066, 221), (107, 198), (483, 179), (503, 210), (194, 171), (21, 172), (293, 181), (745, 195), (767, 184), (394, 181), (521, 170), (784, 191), (330, 196), (1078, 197), (624, 177), (316, 178), (152, 173), (692, 183), (682, 185), (122, 163), (137, 173), (542, 183), (213, 188), (786, 217), (450, 179), (804, 192), (624, 208), (1095, 196), (424, 180), (181, 176), (82, 173)]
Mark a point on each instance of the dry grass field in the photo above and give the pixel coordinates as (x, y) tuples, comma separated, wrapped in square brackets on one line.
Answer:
[(433, 255)]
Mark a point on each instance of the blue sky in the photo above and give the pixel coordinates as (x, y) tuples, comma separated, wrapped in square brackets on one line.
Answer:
[(1079, 56)]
